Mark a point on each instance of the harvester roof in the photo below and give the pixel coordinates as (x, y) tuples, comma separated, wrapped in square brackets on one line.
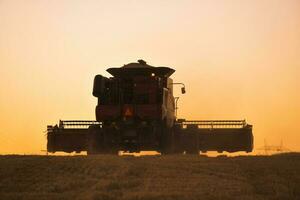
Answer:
[(141, 68)]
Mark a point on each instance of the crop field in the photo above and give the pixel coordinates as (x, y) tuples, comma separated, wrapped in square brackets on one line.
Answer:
[(150, 177)]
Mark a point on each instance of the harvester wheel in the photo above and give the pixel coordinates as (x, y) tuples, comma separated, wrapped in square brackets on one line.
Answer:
[(178, 147), (191, 140), (94, 132), (167, 141)]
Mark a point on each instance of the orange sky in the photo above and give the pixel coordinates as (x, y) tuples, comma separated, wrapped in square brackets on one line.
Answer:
[(238, 59)]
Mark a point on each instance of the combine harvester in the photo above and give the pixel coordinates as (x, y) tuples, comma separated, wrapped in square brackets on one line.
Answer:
[(136, 112)]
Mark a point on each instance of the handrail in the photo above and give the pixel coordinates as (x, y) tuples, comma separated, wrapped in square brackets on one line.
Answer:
[(214, 123), (80, 124)]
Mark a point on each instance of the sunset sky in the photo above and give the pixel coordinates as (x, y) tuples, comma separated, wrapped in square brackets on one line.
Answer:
[(239, 59)]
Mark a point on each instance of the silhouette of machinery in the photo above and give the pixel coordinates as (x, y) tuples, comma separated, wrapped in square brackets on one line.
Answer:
[(136, 111)]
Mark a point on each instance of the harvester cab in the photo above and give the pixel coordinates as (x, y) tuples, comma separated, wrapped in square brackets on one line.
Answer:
[(136, 111), (138, 90)]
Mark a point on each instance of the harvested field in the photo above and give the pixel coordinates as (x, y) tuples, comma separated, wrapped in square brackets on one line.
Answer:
[(150, 177)]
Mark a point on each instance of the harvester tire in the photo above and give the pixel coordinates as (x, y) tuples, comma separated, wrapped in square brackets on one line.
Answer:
[(94, 132), (167, 141)]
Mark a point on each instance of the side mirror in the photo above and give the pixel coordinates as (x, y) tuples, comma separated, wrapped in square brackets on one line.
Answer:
[(183, 90)]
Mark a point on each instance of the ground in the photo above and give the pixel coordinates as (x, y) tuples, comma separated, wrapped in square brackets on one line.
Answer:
[(150, 177)]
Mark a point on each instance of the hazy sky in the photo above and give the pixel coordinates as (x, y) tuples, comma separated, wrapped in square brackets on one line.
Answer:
[(240, 59)]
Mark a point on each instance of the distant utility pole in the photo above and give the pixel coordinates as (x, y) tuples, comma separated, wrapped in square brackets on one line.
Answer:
[(273, 148)]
